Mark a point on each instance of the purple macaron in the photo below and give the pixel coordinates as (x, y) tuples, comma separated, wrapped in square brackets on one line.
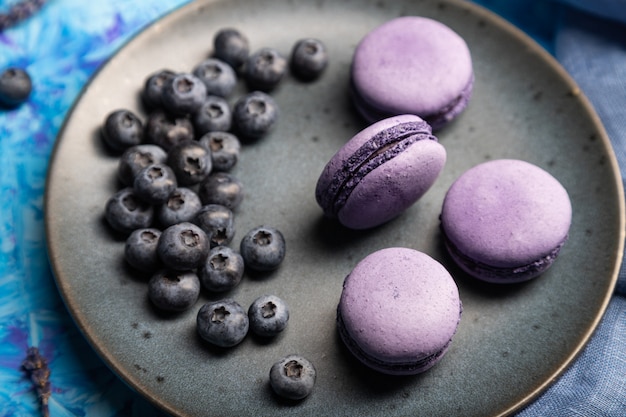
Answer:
[(412, 65), (505, 221), (398, 311), (380, 172)]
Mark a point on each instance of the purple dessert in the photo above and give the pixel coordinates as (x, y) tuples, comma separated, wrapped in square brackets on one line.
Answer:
[(398, 311), (380, 172), (412, 65), (505, 221)]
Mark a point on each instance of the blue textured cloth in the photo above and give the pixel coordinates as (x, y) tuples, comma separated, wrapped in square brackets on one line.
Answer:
[(68, 40), (60, 47)]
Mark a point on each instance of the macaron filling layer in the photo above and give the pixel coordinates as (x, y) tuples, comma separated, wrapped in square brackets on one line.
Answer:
[(382, 147), (499, 274), (400, 368), (436, 120)]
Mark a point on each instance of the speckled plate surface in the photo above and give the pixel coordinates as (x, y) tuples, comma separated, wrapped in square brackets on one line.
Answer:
[(512, 341)]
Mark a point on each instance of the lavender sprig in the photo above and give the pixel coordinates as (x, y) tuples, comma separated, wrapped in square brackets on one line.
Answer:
[(37, 368)]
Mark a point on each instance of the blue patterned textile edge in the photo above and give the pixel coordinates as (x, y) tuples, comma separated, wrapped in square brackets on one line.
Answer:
[(61, 47)]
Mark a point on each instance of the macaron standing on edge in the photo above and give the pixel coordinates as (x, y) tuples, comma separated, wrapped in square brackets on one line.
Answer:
[(412, 65), (380, 172), (398, 312), (505, 220)]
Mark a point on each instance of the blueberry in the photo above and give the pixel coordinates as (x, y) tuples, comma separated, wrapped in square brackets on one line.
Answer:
[(125, 211), (136, 158), (155, 183), (222, 270), (152, 93), (223, 323), (218, 77), (254, 115), (190, 161), (263, 248), (221, 188), (214, 114), (15, 87), (293, 377), (183, 246), (265, 69), (122, 129), (268, 315), (225, 148), (218, 223), (140, 249), (309, 59), (184, 94), (182, 206), (231, 46), (174, 290), (165, 130)]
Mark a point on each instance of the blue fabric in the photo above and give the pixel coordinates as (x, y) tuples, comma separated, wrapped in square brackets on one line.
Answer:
[(68, 40), (61, 47)]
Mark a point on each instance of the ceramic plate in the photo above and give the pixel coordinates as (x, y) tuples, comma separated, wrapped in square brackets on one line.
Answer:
[(512, 341)]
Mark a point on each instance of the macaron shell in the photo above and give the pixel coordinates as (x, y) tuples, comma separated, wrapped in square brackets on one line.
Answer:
[(399, 306), (390, 142), (412, 65), (506, 213), (391, 188), (361, 138)]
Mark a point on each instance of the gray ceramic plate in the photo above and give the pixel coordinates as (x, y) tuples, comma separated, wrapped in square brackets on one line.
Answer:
[(512, 342)]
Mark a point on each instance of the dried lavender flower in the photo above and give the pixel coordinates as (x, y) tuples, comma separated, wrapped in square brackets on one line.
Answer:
[(37, 368)]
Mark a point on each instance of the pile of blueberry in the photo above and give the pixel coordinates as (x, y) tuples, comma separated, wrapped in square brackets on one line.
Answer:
[(178, 197)]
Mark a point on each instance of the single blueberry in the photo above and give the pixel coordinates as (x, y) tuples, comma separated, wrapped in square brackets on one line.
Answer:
[(265, 69), (268, 315), (190, 161), (254, 115), (214, 114), (174, 290), (182, 206), (125, 211), (140, 249), (218, 77), (222, 323), (136, 158), (221, 188), (155, 183), (309, 58), (231, 46), (122, 129), (15, 87), (225, 149), (184, 94), (165, 130), (183, 246), (222, 270), (293, 377), (152, 93), (218, 223), (263, 248)]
